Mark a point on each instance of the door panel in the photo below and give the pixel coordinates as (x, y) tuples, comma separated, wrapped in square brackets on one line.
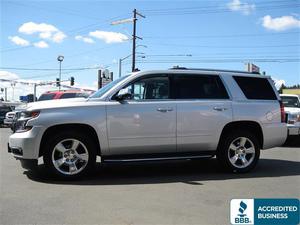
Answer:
[(203, 108), (199, 124), (141, 127), (146, 122)]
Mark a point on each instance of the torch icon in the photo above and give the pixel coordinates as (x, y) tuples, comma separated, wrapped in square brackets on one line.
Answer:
[(243, 207)]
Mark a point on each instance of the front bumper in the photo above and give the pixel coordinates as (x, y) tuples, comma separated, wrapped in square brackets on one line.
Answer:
[(294, 129), (26, 145), (8, 121)]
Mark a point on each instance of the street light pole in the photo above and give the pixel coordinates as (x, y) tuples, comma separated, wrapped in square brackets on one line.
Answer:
[(122, 59), (120, 64), (60, 58)]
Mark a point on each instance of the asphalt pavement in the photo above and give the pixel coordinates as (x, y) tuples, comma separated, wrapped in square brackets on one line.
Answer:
[(185, 192)]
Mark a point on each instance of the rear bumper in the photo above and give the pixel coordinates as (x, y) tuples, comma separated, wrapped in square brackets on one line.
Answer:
[(274, 135)]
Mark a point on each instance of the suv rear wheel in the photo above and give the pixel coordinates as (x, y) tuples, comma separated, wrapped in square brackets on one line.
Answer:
[(70, 154), (239, 151)]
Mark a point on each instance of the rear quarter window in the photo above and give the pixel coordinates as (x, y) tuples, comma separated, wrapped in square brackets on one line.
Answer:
[(256, 88)]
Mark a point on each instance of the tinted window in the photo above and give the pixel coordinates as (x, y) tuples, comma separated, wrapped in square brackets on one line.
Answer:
[(68, 95), (256, 88), (150, 88), (199, 87), (82, 95), (46, 97)]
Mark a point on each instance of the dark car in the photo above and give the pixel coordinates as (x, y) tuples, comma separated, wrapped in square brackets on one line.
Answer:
[(3, 110)]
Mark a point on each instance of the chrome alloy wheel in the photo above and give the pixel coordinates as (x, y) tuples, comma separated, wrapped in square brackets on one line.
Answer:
[(70, 156), (241, 152)]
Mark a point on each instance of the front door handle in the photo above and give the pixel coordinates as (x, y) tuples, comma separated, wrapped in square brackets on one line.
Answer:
[(220, 109), (164, 109)]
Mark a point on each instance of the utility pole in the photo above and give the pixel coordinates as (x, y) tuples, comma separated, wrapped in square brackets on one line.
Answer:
[(134, 37), (133, 40)]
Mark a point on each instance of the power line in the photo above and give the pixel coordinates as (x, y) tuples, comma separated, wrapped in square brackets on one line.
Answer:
[(222, 60), (221, 36), (215, 46), (213, 6), (203, 10), (49, 69)]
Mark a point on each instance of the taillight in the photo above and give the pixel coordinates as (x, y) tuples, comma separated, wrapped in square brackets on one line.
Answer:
[(282, 113)]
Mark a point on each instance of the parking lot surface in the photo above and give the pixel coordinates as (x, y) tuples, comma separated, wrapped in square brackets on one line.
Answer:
[(185, 192)]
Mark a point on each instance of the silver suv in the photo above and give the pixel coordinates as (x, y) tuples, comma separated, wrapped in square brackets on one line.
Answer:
[(155, 115)]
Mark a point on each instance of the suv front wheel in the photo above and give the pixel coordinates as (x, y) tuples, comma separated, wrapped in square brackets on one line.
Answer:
[(70, 154), (239, 151)]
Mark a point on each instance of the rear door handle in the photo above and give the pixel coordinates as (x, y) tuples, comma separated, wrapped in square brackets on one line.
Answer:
[(164, 109), (220, 109)]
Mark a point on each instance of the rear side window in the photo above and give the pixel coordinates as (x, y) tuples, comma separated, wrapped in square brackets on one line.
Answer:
[(256, 88), (199, 87)]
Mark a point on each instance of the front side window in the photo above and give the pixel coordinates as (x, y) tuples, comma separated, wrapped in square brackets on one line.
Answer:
[(150, 88), (199, 87)]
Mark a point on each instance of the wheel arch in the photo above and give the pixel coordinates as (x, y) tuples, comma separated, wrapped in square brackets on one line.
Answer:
[(85, 128), (252, 126)]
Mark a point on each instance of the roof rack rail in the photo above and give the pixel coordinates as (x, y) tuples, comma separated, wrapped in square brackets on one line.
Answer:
[(212, 70)]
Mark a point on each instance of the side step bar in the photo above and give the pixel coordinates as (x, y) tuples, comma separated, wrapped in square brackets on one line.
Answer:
[(156, 158)]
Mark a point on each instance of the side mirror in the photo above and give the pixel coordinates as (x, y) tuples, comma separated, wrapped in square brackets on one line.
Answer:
[(123, 94)]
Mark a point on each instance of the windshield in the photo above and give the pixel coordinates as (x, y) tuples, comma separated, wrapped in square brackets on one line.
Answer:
[(289, 101), (107, 87)]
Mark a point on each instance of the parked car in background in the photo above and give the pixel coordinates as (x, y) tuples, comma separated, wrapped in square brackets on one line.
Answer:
[(9, 117), (292, 109), (3, 110), (52, 95), (155, 115)]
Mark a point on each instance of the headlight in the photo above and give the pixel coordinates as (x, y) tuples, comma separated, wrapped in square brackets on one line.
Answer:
[(23, 118), (293, 118)]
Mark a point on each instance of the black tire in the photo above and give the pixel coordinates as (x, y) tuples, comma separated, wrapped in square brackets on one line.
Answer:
[(87, 144), (224, 151)]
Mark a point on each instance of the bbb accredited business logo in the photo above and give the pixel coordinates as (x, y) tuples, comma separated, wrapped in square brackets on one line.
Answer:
[(261, 211), (242, 211)]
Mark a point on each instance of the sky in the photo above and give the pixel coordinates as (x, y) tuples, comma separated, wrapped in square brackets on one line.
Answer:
[(222, 34)]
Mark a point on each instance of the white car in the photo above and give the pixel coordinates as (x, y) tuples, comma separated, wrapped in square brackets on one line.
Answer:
[(155, 115), (292, 109)]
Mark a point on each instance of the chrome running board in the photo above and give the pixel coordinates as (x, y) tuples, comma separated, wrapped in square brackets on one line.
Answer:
[(157, 159)]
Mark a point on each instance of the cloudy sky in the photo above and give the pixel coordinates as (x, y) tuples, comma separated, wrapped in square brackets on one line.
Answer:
[(208, 34)]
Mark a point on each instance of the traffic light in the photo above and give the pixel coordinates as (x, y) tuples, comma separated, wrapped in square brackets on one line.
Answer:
[(72, 81), (57, 82)]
